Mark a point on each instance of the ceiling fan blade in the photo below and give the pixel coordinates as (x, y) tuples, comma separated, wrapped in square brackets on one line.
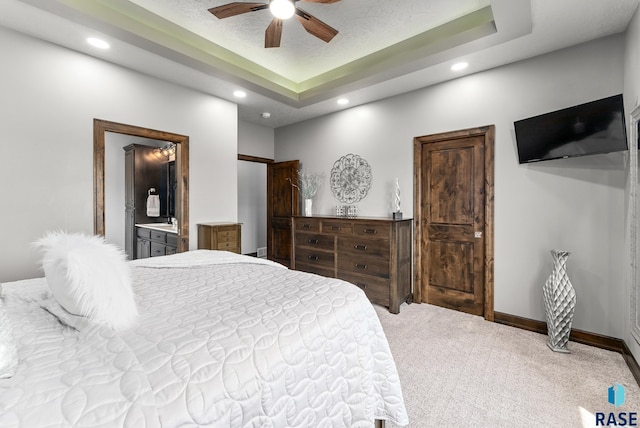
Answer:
[(273, 34), (316, 27), (236, 8), (321, 1)]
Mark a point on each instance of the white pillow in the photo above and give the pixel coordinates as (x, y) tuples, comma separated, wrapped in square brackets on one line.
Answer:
[(8, 352), (90, 278)]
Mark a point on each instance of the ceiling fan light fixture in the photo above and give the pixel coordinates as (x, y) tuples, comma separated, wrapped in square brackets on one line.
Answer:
[(282, 9)]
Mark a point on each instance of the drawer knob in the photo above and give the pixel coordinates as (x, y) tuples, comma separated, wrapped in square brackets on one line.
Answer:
[(306, 226), (313, 241), (359, 266), (335, 228), (314, 258), (361, 285), (370, 231), (360, 247)]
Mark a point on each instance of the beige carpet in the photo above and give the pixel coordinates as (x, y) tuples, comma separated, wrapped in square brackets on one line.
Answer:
[(458, 370)]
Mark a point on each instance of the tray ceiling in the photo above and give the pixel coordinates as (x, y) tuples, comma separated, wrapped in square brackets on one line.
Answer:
[(383, 48)]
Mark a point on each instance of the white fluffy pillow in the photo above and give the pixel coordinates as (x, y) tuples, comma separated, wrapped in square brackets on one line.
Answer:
[(8, 351), (89, 277)]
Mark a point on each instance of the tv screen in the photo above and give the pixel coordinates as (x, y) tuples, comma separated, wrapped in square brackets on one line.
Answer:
[(585, 129)]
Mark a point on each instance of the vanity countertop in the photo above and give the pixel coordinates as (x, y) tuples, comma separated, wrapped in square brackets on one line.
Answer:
[(164, 227)]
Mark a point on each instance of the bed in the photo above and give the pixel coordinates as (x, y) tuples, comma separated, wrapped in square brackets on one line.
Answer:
[(222, 340)]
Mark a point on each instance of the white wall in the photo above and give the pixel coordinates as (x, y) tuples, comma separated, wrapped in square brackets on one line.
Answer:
[(253, 140), (572, 204), (50, 97), (632, 99)]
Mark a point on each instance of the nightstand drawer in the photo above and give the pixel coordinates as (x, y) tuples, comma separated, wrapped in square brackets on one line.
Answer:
[(227, 246), (228, 236)]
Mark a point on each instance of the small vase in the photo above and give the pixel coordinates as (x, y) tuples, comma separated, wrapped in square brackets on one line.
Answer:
[(559, 303), (308, 203)]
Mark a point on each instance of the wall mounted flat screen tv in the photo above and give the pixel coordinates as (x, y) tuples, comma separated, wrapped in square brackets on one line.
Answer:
[(585, 129)]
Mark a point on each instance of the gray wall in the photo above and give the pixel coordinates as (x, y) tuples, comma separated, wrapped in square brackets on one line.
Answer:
[(50, 97), (572, 204), (253, 140)]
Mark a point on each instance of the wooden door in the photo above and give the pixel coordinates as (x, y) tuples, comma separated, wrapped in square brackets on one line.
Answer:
[(282, 204), (455, 220)]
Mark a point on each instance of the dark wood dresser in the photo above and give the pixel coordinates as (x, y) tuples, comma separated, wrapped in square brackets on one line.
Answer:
[(372, 253)]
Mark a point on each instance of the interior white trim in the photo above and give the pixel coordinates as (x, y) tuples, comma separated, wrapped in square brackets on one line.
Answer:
[(634, 223)]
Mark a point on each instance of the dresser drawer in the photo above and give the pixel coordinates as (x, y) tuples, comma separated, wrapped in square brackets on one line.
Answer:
[(364, 247), (373, 230), (365, 265), (308, 256), (337, 227), (311, 240), (318, 270), (308, 224), (376, 289)]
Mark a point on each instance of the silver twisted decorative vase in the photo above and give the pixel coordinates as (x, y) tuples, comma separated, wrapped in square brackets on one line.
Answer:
[(559, 303)]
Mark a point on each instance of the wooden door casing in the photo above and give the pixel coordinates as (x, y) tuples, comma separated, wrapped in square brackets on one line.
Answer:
[(282, 204), (453, 219)]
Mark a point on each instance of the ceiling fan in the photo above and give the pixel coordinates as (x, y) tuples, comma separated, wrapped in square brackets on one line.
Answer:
[(281, 10)]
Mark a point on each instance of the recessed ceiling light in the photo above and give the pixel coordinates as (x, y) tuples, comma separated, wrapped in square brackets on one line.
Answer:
[(459, 66), (98, 43), (343, 101), (265, 115), (240, 94)]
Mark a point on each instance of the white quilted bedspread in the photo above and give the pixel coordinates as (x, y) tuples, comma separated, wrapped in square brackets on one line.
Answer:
[(223, 341)]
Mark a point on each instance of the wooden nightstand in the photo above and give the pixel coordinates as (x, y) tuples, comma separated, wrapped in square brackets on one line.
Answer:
[(220, 236)]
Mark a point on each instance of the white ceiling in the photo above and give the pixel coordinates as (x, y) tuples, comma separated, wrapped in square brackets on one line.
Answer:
[(383, 47)]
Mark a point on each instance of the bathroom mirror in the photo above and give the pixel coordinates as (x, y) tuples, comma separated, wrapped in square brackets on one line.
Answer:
[(102, 129)]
